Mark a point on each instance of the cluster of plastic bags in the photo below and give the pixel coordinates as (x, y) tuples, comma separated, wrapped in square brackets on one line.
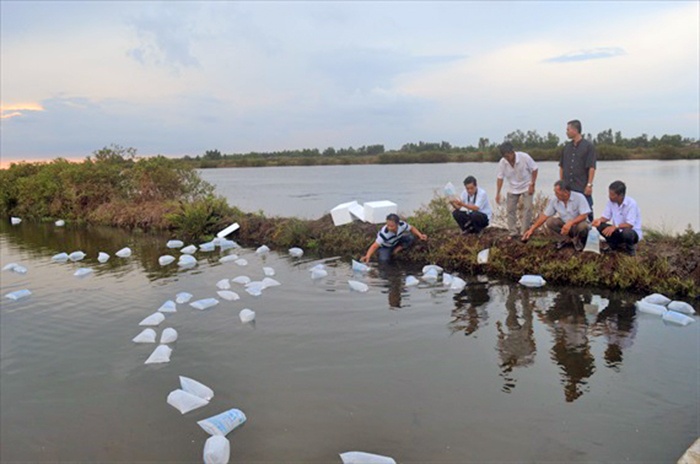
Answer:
[(674, 312)]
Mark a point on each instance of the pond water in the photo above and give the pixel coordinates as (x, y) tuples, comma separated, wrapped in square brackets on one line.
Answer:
[(668, 192), (496, 373)]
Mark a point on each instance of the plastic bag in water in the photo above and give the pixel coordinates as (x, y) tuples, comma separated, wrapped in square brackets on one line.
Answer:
[(189, 249), (593, 241), (270, 282), (318, 267), (318, 274), (411, 281), (268, 271), (165, 260), (228, 258), (217, 450), (169, 335), (196, 388), (82, 272), (168, 307), (10, 267), (185, 402), (18, 294), (76, 256), (447, 279), (530, 280), (209, 246), (241, 262), (457, 284), (430, 267), (152, 320), (358, 286), (255, 288), (246, 315), (124, 252), (102, 257), (146, 336), (228, 295), (60, 258), (431, 276), (15, 220), (222, 424), (359, 267), (359, 457), (681, 307), (223, 284), (160, 355), (449, 190), (183, 297), (657, 299), (296, 252), (243, 280), (650, 308), (206, 303), (262, 250), (483, 256), (227, 244), (186, 260), (175, 244), (677, 318)]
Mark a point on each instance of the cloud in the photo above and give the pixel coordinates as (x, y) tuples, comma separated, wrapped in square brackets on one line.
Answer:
[(18, 109), (584, 55)]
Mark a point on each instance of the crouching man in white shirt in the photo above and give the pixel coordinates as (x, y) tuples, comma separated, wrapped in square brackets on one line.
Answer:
[(621, 222)]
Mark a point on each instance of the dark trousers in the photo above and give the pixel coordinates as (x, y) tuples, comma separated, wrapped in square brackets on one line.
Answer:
[(471, 223), (384, 253), (626, 237)]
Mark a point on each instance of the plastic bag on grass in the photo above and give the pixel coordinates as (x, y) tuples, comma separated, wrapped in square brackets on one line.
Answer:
[(186, 260), (196, 388), (358, 286), (165, 260), (124, 252), (15, 220), (296, 252), (183, 297), (681, 307), (168, 307), (359, 457), (18, 294), (205, 303), (246, 315), (169, 335), (593, 241), (222, 424), (185, 402), (175, 244), (209, 246), (160, 355), (152, 320), (483, 256), (146, 336), (228, 295), (60, 223), (217, 450), (189, 249), (530, 280), (102, 257)]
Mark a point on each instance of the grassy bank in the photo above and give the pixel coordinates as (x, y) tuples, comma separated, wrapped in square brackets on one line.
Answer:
[(158, 193)]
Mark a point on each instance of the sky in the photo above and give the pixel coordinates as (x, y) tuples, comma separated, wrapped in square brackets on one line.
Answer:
[(180, 78)]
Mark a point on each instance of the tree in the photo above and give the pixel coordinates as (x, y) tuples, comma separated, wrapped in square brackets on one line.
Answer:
[(212, 155)]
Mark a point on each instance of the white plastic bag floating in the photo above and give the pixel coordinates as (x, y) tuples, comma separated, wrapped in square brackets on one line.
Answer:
[(102, 257), (593, 241), (168, 307), (433, 267), (241, 262), (209, 246), (188, 250), (160, 355), (10, 267), (18, 294), (255, 288), (183, 297), (205, 303), (60, 258), (431, 276), (359, 457), (222, 424), (82, 272), (318, 274), (296, 252), (268, 271), (223, 284), (19, 269), (228, 258), (449, 190), (243, 280), (457, 284), (530, 280), (230, 229), (447, 279), (196, 388), (650, 308), (175, 244), (15, 220), (262, 250), (146, 336), (318, 267), (186, 261), (227, 244), (359, 267), (270, 282), (217, 450), (358, 286), (152, 320), (246, 315), (228, 295), (185, 402), (681, 307), (76, 256), (657, 299), (169, 335), (411, 281), (60, 223), (124, 252), (483, 256), (677, 318), (165, 260)]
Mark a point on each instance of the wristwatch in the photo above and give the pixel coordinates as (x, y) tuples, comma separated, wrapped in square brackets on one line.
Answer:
[(589, 185)]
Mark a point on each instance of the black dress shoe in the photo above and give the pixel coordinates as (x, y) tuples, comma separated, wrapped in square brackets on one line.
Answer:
[(559, 245)]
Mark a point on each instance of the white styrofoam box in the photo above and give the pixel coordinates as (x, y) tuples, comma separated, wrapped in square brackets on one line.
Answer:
[(341, 213), (377, 211), (358, 211)]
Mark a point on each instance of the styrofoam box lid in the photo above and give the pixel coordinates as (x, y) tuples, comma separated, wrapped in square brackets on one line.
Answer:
[(380, 204), (345, 205)]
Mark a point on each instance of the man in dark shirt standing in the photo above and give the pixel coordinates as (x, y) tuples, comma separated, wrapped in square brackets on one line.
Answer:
[(577, 163)]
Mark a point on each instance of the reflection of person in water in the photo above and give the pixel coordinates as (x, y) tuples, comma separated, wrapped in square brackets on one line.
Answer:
[(516, 343), (467, 313), (571, 348), (394, 275), (619, 326)]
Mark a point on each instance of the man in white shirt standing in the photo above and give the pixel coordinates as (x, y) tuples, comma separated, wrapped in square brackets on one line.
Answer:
[(472, 210), (520, 170), (621, 222), (566, 216)]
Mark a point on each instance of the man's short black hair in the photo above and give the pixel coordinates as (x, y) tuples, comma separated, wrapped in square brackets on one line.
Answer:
[(505, 148), (393, 218), (562, 185), (618, 187), (470, 180), (576, 124)]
